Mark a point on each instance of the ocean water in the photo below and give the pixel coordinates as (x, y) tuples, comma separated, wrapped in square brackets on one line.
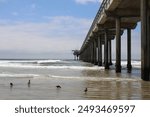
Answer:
[(73, 77)]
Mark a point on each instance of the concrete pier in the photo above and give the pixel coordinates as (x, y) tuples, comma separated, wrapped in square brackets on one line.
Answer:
[(112, 18)]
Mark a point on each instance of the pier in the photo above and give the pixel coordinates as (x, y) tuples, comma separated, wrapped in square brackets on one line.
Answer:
[(111, 20)]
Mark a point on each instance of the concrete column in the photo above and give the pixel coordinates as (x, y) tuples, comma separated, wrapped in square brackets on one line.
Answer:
[(99, 51), (91, 52), (118, 44), (87, 54), (94, 50), (80, 57), (145, 41), (106, 51), (110, 54), (129, 66), (83, 56)]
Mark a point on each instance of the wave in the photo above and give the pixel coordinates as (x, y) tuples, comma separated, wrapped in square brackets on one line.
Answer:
[(57, 64), (51, 67), (48, 61), (50, 76), (135, 64), (18, 75), (46, 64), (30, 61), (89, 78)]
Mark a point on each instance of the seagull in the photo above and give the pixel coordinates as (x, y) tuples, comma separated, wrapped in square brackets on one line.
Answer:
[(58, 86), (85, 90), (29, 82), (11, 84)]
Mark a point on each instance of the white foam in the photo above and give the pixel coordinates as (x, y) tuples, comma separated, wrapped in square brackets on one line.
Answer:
[(48, 61), (22, 64), (18, 75), (88, 78), (135, 64), (29, 61), (10, 65)]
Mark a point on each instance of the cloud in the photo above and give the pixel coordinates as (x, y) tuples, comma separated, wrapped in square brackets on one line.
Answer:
[(53, 39), (59, 35), (87, 1)]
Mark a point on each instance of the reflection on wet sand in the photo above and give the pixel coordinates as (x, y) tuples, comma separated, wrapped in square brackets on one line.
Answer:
[(114, 90), (117, 86)]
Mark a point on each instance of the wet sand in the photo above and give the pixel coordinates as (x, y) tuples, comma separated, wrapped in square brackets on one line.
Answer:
[(108, 86)]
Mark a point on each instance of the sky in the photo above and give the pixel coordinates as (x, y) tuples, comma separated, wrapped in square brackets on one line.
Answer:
[(49, 28)]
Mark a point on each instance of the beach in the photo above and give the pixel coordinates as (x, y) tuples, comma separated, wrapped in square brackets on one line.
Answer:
[(73, 77)]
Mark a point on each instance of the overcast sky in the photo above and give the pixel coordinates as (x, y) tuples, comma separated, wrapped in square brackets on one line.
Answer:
[(49, 28)]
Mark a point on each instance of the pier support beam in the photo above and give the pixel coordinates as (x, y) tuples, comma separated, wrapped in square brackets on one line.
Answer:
[(110, 53), (118, 44), (91, 52), (99, 51), (94, 51), (145, 41), (106, 51), (129, 66)]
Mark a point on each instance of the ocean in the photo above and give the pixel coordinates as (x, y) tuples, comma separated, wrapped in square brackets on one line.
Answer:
[(73, 77)]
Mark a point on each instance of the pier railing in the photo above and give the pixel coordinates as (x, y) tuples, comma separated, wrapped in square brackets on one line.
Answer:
[(102, 8)]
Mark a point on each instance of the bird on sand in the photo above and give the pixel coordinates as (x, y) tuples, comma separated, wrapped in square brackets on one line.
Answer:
[(58, 86), (11, 84), (85, 90), (29, 82)]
